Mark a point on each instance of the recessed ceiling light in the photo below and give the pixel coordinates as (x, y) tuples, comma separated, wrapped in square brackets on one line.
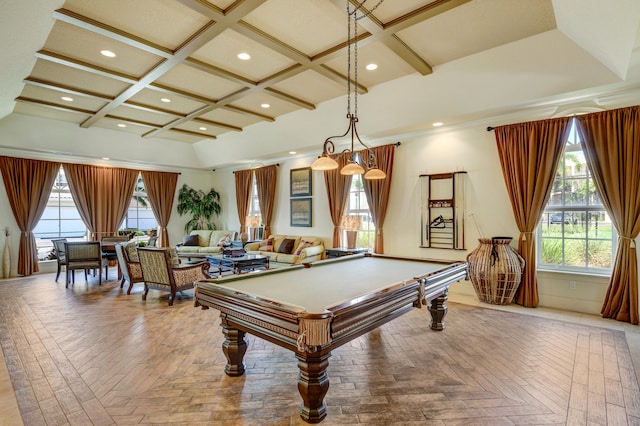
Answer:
[(437, 124), (292, 152), (106, 158), (122, 125), (167, 100), (202, 128), (108, 53), (265, 105), (67, 98), (244, 56), (372, 67)]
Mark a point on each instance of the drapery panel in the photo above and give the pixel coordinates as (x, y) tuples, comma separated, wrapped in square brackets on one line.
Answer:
[(243, 192), (377, 192), (266, 184), (161, 190), (102, 195), (28, 184), (529, 155), (612, 149), (338, 187)]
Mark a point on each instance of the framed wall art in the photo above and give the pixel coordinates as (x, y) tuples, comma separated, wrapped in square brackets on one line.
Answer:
[(301, 212), (301, 182)]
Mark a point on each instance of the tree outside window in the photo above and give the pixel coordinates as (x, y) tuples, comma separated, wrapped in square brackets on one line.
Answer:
[(358, 206), (575, 232)]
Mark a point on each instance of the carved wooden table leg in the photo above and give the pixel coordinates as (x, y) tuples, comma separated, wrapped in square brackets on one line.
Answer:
[(313, 384), (438, 311), (234, 348)]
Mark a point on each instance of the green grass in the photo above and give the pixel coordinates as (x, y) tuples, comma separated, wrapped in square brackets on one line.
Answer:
[(575, 245)]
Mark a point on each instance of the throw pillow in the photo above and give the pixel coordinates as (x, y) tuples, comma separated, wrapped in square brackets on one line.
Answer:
[(286, 246), (303, 245), (226, 239), (190, 240), (266, 245), (132, 251)]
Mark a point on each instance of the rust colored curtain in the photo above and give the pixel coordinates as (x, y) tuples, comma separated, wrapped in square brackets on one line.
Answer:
[(28, 184), (161, 190), (266, 183), (338, 187), (377, 192), (612, 149), (102, 195), (243, 192), (529, 155)]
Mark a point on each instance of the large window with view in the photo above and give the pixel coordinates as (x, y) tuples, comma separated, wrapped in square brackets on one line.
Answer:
[(359, 207), (255, 227), (139, 219), (60, 219), (575, 233)]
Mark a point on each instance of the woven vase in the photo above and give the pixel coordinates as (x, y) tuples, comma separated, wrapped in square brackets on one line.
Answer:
[(495, 270)]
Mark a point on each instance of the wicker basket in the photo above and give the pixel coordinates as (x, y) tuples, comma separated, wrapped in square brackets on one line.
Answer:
[(495, 269)]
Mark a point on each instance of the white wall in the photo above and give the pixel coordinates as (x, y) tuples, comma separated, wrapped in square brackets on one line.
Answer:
[(488, 209), (471, 149)]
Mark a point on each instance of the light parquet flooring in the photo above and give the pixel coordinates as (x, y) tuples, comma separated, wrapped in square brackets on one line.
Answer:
[(93, 355)]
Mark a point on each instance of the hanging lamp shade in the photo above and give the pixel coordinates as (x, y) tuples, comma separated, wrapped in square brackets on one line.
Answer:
[(324, 163), (375, 174), (352, 169)]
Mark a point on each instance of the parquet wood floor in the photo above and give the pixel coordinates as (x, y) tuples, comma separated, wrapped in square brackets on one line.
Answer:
[(93, 355)]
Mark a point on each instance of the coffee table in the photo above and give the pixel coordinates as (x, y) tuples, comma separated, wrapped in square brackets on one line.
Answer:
[(239, 264)]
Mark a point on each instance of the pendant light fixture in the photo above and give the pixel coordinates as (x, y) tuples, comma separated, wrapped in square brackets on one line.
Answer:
[(356, 164)]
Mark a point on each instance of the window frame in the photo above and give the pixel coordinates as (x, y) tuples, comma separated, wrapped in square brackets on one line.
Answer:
[(570, 212), (361, 210)]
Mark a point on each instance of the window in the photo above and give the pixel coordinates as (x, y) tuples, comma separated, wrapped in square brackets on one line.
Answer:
[(575, 233), (140, 215), (60, 219), (358, 206), (254, 220)]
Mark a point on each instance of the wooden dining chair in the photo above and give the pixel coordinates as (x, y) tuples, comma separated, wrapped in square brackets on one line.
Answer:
[(85, 255), (61, 258)]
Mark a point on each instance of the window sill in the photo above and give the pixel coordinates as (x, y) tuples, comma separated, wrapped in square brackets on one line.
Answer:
[(575, 273)]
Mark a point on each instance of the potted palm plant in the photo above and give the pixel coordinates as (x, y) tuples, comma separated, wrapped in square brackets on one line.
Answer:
[(200, 205)]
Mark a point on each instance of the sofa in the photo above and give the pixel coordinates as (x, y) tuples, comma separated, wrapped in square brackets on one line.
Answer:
[(288, 248), (205, 241)]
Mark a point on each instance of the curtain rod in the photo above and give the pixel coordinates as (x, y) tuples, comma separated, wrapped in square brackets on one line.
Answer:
[(490, 128)]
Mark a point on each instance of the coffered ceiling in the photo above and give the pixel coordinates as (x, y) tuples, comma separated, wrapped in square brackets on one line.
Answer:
[(454, 61), (176, 72)]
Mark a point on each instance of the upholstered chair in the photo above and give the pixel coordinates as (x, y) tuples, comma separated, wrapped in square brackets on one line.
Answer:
[(130, 269), (85, 255), (61, 258), (158, 273), (108, 247)]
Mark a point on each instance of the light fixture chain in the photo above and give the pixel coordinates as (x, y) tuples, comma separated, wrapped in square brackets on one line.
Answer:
[(348, 60)]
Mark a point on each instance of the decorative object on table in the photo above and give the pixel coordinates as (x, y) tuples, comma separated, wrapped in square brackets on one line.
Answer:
[(351, 224), (6, 254), (254, 227), (356, 163), (300, 181), (443, 210), (301, 212), (244, 237), (233, 251), (495, 270), (201, 206)]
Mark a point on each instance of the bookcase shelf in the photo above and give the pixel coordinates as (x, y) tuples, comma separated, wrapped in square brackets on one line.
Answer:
[(442, 216)]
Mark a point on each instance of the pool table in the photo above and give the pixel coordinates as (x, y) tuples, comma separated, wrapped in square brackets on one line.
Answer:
[(314, 308)]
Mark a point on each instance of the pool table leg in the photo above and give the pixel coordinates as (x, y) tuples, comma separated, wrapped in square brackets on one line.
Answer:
[(438, 311), (313, 384), (234, 348)]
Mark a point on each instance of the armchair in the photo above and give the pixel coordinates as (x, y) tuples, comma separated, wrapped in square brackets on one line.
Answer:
[(158, 273), (130, 269), (83, 255), (61, 258), (109, 251)]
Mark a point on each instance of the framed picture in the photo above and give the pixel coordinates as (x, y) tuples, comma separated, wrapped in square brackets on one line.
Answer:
[(301, 212), (301, 182)]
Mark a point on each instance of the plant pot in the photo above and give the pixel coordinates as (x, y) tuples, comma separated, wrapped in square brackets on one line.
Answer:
[(495, 270)]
